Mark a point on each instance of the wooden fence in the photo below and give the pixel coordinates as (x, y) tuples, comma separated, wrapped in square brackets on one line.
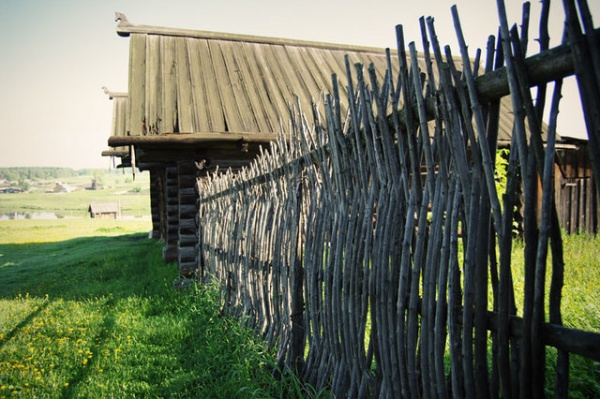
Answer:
[(373, 250)]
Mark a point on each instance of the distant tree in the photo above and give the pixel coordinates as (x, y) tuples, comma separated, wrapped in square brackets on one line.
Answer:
[(14, 174), (24, 185)]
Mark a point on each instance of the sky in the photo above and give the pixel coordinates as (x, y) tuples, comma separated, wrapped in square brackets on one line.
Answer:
[(56, 55)]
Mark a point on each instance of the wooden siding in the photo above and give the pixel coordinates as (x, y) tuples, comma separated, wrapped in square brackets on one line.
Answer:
[(119, 121), (576, 193)]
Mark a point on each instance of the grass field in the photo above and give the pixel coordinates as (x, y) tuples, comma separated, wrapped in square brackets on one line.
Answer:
[(118, 187), (87, 309), (95, 315), (580, 306)]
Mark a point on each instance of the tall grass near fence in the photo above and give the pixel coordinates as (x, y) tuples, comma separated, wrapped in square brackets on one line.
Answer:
[(98, 317), (370, 245)]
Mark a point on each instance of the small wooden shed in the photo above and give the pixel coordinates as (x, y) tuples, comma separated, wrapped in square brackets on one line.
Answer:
[(104, 210)]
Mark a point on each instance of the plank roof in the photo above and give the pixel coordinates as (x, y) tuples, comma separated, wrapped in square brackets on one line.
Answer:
[(209, 87), (103, 207), (183, 81)]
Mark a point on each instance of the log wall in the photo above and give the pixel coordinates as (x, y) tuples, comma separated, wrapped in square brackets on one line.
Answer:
[(188, 208), (170, 251), (156, 197)]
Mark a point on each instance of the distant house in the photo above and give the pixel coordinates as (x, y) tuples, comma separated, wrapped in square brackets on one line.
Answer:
[(106, 210), (63, 188)]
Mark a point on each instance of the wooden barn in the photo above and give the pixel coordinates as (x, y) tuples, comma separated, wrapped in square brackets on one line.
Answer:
[(104, 210), (198, 101)]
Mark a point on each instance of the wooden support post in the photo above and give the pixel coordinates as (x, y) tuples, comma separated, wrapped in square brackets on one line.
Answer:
[(162, 201), (170, 251), (155, 198), (188, 209)]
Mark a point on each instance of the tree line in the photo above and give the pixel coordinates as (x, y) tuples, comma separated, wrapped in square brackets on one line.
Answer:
[(14, 174)]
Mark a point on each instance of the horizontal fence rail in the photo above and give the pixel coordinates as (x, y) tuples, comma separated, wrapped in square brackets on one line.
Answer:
[(373, 251)]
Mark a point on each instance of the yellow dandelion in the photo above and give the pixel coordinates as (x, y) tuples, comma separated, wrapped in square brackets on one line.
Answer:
[(66, 384), (85, 361)]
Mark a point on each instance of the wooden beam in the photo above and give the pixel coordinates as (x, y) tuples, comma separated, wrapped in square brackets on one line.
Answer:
[(125, 28), (541, 68), (115, 153), (192, 139), (146, 155)]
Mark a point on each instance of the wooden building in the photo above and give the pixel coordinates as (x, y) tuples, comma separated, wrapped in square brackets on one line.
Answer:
[(577, 199), (104, 210), (119, 124), (200, 100)]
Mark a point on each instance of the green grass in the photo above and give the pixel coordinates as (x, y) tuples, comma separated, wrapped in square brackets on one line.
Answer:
[(97, 317), (87, 309), (46, 231), (580, 307), (580, 303)]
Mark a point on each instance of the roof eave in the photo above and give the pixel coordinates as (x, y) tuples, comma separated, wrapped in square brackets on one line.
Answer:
[(125, 28)]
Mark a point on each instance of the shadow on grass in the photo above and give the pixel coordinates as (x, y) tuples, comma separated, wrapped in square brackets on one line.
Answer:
[(108, 325), (23, 323), (121, 266), (170, 343)]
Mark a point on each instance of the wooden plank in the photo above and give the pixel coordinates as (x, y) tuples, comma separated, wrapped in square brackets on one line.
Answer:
[(274, 64), (264, 115), (299, 79), (320, 73), (225, 89), (137, 85), (214, 103), (168, 113), (198, 77), (185, 104), (241, 84), (214, 137), (271, 78), (154, 87)]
